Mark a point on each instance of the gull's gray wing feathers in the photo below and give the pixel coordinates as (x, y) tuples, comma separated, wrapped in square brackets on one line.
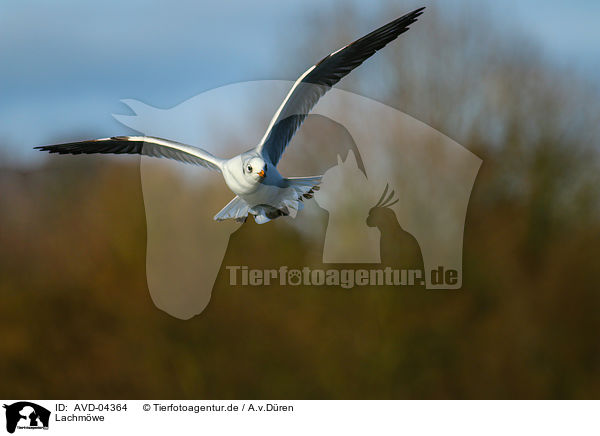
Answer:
[(319, 78), (144, 145)]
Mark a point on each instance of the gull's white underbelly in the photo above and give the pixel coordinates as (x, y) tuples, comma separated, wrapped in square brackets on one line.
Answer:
[(264, 194)]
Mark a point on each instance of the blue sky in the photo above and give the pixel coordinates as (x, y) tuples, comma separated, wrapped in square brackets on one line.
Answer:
[(66, 64)]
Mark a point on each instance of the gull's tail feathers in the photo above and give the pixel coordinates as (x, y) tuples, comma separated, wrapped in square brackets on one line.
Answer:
[(289, 202), (237, 209)]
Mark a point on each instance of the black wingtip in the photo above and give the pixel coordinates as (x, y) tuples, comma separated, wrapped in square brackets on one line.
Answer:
[(57, 148), (48, 148), (417, 12), (414, 14)]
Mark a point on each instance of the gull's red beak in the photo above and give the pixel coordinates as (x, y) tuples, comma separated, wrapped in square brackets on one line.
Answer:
[(261, 173)]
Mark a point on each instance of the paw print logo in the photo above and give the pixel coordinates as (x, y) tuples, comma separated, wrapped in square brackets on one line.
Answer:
[(294, 277)]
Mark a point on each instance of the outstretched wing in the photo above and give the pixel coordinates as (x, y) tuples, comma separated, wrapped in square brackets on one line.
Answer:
[(144, 145), (319, 78)]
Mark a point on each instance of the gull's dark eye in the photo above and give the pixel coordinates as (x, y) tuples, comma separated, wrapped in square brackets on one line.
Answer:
[(249, 168)]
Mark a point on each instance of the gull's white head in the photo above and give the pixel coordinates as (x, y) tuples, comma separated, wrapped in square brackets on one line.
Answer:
[(245, 172), (254, 169)]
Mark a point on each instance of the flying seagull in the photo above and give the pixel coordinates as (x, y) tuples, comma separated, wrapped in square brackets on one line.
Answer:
[(260, 190)]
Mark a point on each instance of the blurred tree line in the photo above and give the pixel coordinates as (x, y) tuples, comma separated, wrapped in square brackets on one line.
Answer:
[(77, 320)]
